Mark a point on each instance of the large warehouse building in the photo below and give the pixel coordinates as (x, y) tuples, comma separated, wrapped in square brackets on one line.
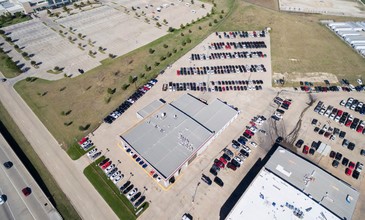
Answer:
[(289, 187), (171, 136)]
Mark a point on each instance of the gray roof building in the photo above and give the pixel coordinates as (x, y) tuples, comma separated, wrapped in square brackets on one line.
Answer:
[(173, 133)]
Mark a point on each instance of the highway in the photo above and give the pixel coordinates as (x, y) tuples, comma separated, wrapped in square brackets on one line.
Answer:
[(17, 205), (67, 173)]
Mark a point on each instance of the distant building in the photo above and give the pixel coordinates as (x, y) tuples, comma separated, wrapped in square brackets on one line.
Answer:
[(172, 135), (290, 187), (30, 6)]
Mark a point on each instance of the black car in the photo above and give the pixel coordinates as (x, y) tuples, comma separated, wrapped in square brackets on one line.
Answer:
[(338, 156), (299, 143), (129, 188), (351, 146), (213, 170), (139, 202), (226, 157), (244, 153), (218, 181), (279, 140), (125, 185), (8, 164), (280, 111), (362, 152), (312, 151), (332, 154), (314, 121), (345, 161), (136, 196), (335, 163), (316, 129), (342, 134), (206, 179), (355, 174)]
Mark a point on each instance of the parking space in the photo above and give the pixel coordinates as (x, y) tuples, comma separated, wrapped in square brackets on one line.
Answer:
[(175, 12)]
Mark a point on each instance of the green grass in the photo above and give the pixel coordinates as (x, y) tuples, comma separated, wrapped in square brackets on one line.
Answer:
[(86, 94), (106, 188), (7, 66), (75, 152), (62, 203), (10, 20)]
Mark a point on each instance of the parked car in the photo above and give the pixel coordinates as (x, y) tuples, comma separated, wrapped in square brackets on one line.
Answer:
[(335, 163), (228, 152), (132, 193), (231, 166), (206, 179), (135, 196), (27, 191), (305, 149), (8, 164), (139, 201), (129, 188), (348, 171), (125, 185), (218, 181), (299, 143)]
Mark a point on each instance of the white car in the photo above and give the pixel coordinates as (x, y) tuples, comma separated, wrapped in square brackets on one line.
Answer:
[(253, 129), (109, 168), (93, 151), (132, 193), (86, 143), (343, 103), (247, 149), (115, 175), (359, 81), (1, 200), (277, 114), (238, 159), (337, 119), (118, 178), (253, 144), (322, 111), (332, 116)]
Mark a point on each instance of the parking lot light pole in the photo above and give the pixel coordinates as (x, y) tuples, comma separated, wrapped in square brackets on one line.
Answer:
[(131, 174), (119, 162), (145, 189), (196, 189), (107, 150)]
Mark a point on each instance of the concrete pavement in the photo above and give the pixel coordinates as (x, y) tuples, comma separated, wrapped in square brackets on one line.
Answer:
[(18, 206), (67, 173)]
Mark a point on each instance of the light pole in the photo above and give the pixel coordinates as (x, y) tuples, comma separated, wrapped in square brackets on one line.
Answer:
[(107, 150), (131, 174), (145, 189), (119, 162), (196, 189)]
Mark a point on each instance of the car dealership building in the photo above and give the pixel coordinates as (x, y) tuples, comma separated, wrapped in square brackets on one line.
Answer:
[(172, 135)]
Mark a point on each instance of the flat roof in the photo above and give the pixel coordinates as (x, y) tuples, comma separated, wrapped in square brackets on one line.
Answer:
[(314, 181), (172, 134), (269, 197), (150, 108)]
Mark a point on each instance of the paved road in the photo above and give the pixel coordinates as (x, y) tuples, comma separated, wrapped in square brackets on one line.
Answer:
[(17, 206), (68, 174)]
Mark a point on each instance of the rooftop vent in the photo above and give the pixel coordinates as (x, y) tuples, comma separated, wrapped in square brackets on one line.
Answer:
[(175, 116)]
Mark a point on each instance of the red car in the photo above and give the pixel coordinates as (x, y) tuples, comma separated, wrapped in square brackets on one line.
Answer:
[(27, 191), (339, 113), (219, 163), (305, 149), (348, 171), (223, 160), (83, 140), (231, 166), (287, 102), (351, 165), (360, 129), (106, 165), (348, 123)]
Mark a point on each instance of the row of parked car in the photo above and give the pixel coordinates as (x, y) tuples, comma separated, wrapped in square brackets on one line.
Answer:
[(241, 34), (341, 117), (228, 55), (237, 45), (345, 88), (282, 104), (225, 69), (111, 170), (327, 131), (135, 157), (94, 153), (237, 82), (354, 105), (86, 143), (126, 104), (132, 193), (351, 169)]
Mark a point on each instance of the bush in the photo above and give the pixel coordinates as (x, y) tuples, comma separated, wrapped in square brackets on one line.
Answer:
[(162, 58), (24, 54), (157, 63), (84, 128), (111, 91), (182, 26), (165, 46), (188, 40), (171, 29), (182, 34), (183, 43), (215, 21), (169, 54), (151, 51), (210, 23), (125, 86), (200, 27)]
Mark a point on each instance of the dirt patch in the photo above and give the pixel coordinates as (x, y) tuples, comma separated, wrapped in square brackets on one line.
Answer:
[(270, 4), (310, 77)]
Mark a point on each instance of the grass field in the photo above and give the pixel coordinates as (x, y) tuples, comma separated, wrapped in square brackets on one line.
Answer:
[(86, 95), (7, 66), (293, 36), (118, 202), (61, 202)]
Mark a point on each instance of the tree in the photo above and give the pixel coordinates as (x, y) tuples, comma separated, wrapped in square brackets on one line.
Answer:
[(182, 26), (16, 47), (91, 52), (182, 34), (158, 24), (24, 54), (125, 86), (61, 32), (210, 23), (165, 46), (192, 2), (188, 40), (222, 11), (220, 16), (141, 75), (49, 12), (215, 21), (164, 21), (8, 39), (70, 28), (70, 38), (2, 32), (151, 51), (57, 68), (190, 31), (101, 48), (111, 91), (200, 27), (33, 63), (157, 63), (80, 44), (171, 29), (203, 6), (111, 55), (79, 35)]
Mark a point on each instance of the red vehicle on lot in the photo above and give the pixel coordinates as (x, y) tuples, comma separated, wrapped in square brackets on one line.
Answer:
[(27, 191), (351, 165), (219, 163), (348, 123), (224, 161), (339, 113), (106, 165), (286, 102), (348, 171), (360, 128), (231, 166), (305, 149), (84, 139), (248, 132)]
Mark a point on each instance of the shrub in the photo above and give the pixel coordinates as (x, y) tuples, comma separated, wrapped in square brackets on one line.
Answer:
[(182, 34), (200, 27), (171, 29), (210, 23), (169, 54), (151, 51), (24, 54), (162, 58), (111, 91), (190, 31), (188, 40), (182, 26), (165, 46), (220, 16), (215, 21), (125, 86), (84, 128), (157, 63)]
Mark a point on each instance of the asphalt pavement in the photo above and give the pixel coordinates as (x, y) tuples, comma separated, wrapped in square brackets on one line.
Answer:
[(67, 173), (17, 205)]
